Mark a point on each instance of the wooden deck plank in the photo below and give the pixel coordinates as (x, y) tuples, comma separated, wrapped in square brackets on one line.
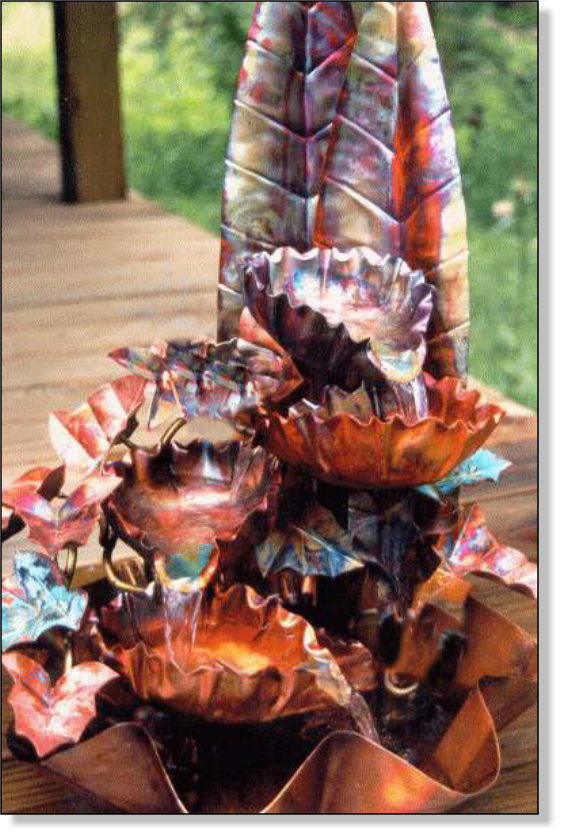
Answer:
[(79, 281)]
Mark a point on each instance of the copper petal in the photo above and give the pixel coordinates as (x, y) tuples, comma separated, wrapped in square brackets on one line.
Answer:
[(313, 544), (82, 438), (50, 717), (379, 302), (224, 380), (354, 659), (44, 481), (291, 76), (441, 586), (496, 647), (71, 522), (392, 179)]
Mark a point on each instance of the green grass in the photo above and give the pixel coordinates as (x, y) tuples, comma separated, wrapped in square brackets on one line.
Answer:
[(176, 129), (503, 314)]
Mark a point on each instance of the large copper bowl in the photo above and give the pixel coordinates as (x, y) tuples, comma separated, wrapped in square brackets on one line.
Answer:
[(360, 450)]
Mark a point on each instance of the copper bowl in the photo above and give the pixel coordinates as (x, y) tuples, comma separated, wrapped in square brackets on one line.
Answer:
[(354, 448), (346, 317), (234, 658), (176, 499)]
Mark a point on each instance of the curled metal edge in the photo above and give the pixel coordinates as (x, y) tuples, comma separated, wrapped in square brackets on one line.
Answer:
[(137, 538), (331, 780)]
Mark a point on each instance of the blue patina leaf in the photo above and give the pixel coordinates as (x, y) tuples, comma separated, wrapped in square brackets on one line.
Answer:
[(482, 465), (35, 598)]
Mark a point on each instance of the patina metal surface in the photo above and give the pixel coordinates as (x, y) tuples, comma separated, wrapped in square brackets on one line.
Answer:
[(83, 437), (346, 317), (387, 174), (346, 771), (295, 633), (201, 378), (392, 179), (287, 94), (471, 548), (65, 520), (35, 599), (53, 716), (173, 497), (238, 659)]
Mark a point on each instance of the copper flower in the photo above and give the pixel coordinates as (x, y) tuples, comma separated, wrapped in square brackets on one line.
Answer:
[(224, 380), (342, 442), (238, 659), (346, 317), (176, 499)]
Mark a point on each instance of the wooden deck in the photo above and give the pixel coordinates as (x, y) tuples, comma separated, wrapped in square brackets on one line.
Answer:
[(80, 280)]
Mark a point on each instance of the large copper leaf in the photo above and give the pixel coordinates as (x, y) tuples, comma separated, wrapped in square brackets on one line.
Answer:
[(392, 179), (53, 716), (35, 598), (471, 548), (289, 84)]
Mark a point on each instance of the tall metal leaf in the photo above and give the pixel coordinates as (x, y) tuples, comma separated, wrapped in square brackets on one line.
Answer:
[(289, 85), (392, 179)]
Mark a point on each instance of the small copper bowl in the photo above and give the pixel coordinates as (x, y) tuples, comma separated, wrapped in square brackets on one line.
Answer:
[(176, 502)]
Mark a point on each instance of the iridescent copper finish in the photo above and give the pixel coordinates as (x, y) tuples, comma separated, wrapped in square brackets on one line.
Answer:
[(70, 521), (44, 481), (198, 377), (346, 317), (292, 72), (308, 580), (392, 179), (366, 452), (52, 717), (386, 175), (83, 438), (174, 498), (346, 772), (470, 547)]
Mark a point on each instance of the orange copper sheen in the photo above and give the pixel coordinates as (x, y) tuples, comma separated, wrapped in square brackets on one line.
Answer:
[(342, 449), (248, 660)]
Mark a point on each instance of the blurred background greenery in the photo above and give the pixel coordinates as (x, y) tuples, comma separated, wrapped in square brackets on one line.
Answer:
[(179, 64)]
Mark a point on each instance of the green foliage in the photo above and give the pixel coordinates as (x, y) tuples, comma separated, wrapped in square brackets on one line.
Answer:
[(28, 67), (489, 56), (176, 124), (213, 33), (503, 313), (179, 64)]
